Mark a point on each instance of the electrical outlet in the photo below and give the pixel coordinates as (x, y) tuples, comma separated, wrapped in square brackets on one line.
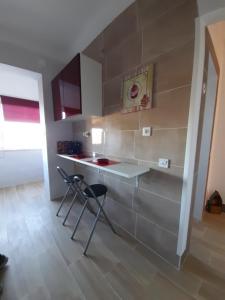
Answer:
[(146, 131), (164, 163)]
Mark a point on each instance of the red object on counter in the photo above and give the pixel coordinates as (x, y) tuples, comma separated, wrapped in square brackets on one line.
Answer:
[(109, 163)]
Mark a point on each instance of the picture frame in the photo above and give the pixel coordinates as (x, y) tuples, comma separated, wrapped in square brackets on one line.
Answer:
[(137, 90)]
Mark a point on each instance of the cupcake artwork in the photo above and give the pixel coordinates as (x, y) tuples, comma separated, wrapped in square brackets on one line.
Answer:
[(137, 90)]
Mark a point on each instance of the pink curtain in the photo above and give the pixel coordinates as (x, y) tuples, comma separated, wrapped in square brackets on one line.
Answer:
[(20, 110)]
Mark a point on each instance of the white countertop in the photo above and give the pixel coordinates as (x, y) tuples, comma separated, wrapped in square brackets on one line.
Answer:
[(121, 168)]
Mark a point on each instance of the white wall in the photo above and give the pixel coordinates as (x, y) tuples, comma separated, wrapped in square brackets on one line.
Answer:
[(217, 157), (21, 58), (217, 33), (16, 83), (20, 166)]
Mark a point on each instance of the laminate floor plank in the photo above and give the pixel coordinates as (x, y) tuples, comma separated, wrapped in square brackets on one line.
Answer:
[(45, 264), (207, 255), (92, 282)]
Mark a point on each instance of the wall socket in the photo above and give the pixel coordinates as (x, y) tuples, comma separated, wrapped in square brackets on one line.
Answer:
[(164, 163), (146, 131)]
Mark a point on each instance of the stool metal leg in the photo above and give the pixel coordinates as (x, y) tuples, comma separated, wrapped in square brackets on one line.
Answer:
[(105, 215), (72, 203), (68, 212), (63, 199), (93, 228), (79, 219)]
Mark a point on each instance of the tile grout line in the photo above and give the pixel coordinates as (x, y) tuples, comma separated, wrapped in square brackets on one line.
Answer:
[(158, 226), (140, 188)]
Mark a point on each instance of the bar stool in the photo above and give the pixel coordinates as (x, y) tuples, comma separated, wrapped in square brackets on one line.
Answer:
[(70, 181), (93, 192)]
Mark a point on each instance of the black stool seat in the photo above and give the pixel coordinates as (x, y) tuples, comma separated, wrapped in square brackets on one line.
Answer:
[(98, 189), (70, 178), (92, 191)]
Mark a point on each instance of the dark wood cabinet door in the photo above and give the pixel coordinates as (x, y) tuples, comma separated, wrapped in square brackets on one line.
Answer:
[(66, 91), (57, 94), (71, 78)]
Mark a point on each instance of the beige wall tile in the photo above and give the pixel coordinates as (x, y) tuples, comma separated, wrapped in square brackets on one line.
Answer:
[(170, 31), (122, 121), (88, 124), (162, 184), (87, 143), (96, 49), (164, 143), (124, 57), (79, 126), (170, 110), (114, 62), (148, 31), (121, 215), (172, 170), (121, 27), (119, 143), (174, 69), (130, 181), (132, 52), (150, 10), (112, 92), (157, 239), (158, 210), (120, 191), (108, 110)]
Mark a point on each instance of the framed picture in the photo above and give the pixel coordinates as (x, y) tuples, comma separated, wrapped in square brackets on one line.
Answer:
[(137, 90)]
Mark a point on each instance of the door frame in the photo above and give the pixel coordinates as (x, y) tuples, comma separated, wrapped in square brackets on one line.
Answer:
[(38, 77), (206, 138), (193, 124)]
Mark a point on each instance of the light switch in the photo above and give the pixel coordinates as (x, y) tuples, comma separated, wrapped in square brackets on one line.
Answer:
[(86, 134), (164, 163), (146, 131)]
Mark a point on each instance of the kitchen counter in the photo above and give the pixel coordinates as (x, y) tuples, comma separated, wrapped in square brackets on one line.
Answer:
[(119, 168)]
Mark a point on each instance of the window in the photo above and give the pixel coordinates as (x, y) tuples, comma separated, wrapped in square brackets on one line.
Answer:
[(97, 135), (19, 124)]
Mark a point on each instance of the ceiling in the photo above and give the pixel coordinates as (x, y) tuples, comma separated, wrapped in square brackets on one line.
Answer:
[(56, 28)]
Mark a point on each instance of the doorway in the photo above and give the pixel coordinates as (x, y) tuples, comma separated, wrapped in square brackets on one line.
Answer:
[(208, 230), (22, 132), (206, 126), (189, 175)]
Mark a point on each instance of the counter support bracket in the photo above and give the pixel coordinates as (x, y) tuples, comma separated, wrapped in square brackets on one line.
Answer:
[(137, 179)]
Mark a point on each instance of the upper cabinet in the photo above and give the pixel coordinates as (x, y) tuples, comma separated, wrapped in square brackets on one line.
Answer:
[(77, 89)]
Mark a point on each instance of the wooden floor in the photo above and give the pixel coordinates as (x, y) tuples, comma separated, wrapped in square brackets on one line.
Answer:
[(208, 247), (45, 264)]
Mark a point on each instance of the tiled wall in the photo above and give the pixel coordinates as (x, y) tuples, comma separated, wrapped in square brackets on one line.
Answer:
[(159, 32)]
